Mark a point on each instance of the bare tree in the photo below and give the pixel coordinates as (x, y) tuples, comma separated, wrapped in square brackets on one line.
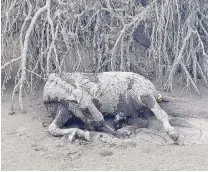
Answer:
[(99, 35)]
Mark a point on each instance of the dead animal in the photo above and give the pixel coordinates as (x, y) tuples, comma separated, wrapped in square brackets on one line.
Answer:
[(90, 97)]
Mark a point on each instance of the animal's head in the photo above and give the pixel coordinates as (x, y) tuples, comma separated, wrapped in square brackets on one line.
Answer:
[(86, 104), (78, 100)]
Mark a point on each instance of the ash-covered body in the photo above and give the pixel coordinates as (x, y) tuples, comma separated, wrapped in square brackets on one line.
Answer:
[(107, 87), (90, 96)]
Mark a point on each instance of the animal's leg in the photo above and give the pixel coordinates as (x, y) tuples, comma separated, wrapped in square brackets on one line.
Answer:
[(161, 115), (83, 107), (90, 116), (62, 115), (97, 120), (127, 107), (132, 124)]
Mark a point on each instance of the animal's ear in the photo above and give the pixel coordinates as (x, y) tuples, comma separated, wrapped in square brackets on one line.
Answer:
[(71, 98), (78, 94)]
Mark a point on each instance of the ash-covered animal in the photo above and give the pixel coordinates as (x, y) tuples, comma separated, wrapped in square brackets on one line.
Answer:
[(62, 100), (106, 88)]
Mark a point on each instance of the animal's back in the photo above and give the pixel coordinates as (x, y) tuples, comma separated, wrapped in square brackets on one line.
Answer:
[(108, 86), (114, 84)]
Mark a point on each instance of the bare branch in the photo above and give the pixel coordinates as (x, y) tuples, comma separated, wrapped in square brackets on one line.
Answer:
[(9, 63)]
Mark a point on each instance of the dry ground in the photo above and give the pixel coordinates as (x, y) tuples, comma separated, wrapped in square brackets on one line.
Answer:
[(25, 145)]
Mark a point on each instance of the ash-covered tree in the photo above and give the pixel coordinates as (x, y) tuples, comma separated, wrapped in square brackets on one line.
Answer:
[(156, 38)]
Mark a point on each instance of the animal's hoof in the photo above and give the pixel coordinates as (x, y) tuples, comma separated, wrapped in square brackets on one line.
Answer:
[(122, 133), (79, 134), (71, 137), (173, 134)]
